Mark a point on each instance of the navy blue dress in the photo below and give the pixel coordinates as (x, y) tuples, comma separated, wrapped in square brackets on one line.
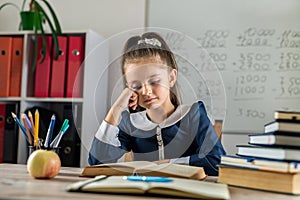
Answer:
[(186, 137)]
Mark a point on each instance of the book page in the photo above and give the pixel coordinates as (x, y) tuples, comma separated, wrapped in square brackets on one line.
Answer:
[(176, 170), (133, 164), (124, 168), (191, 188), (113, 184)]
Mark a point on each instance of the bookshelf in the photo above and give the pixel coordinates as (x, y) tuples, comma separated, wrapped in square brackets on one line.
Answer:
[(87, 110)]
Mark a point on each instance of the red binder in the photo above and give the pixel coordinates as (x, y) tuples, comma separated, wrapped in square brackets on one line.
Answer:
[(57, 86), (75, 66), (5, 65), (2, 124), (42, 71), (16, 66)]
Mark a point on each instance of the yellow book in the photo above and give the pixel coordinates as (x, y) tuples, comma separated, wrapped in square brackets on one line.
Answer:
[(176, 187), (145, 168), (287, 115)]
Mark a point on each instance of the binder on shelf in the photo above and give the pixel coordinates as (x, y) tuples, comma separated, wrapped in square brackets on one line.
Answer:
[(2, 123), (75, 66), (11, 135), (5, 65), (43, 69), (70, 143), (57, 86), (16, 66)]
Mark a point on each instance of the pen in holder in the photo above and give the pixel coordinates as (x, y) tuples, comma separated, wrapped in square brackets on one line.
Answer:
[(31, 149)]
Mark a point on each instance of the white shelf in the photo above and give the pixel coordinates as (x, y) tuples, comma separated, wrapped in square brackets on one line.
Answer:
[(8, 99), (95, 84), (53, 100)]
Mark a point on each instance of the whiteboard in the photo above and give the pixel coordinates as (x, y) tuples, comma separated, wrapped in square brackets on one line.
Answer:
[(242, 58)]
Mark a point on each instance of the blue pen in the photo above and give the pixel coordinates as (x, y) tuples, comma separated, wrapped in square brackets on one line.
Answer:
[(147, 178), (49, 132)]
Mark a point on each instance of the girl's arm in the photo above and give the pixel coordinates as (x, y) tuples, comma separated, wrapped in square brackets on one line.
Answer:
[(110, 142), (127, 99), (106, 146), (209, 148)]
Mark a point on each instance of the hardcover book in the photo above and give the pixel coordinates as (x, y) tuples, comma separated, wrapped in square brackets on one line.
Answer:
[(261, 164), (278, 153), (260, 179), (287, 115), (282, 126), (276, 138)]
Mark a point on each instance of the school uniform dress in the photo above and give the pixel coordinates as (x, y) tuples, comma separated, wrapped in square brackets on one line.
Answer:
[(185, 137)]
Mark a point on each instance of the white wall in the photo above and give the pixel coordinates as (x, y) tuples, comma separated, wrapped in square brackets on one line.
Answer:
[(108, 18)]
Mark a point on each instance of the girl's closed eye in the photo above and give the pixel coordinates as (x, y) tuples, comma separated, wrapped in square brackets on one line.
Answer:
[(154, 82), (136, 86)]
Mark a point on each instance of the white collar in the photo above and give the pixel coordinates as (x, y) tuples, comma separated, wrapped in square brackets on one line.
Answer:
[(141, 121)]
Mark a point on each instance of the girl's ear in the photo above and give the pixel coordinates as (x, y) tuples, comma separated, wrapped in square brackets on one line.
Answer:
[(172, 77)]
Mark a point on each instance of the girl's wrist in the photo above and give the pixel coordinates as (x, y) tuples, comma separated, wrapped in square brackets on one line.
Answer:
[(114, 115)]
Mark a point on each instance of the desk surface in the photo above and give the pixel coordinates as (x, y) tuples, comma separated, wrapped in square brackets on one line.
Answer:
[(16, 183)]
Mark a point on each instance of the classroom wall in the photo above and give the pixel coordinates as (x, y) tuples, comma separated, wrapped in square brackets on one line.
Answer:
[(108, 18)]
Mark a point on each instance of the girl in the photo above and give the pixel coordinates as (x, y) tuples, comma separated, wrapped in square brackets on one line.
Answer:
[(158, 128)]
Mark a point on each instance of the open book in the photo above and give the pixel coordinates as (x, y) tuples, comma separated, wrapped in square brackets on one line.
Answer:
[(145, 168), (177, 187)]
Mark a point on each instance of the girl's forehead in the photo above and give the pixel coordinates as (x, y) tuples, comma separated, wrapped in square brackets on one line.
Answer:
[(143, 61), (138, 71), (145, 66)]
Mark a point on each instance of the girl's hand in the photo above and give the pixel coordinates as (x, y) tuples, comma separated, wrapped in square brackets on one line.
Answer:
[(127, 98)]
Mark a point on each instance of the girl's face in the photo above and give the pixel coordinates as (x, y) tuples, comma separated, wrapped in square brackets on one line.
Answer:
[(151, 81)]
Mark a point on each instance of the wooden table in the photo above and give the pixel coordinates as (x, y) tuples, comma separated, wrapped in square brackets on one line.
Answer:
[(16, 183)]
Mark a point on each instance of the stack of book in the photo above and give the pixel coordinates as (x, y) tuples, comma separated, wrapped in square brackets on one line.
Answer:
[(271, 160)]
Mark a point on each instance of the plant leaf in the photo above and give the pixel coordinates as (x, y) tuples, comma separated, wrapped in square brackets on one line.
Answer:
[(9, 4), (56, 22), (54, 33), (38, 23), (44, 50), (35, 53), (23, 5)]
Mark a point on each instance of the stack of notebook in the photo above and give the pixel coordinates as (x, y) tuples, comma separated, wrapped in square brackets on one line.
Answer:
[(271, 160)]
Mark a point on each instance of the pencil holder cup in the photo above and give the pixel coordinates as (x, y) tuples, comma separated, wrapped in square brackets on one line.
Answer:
[(31, 149)]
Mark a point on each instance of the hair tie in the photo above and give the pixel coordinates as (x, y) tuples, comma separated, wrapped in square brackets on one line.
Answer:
[(153, 42)]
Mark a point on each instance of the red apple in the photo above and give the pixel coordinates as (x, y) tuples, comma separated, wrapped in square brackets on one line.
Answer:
[(43, 164)]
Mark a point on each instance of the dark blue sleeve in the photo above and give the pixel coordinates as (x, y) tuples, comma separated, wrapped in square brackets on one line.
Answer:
[(209, 148), (101, 152)]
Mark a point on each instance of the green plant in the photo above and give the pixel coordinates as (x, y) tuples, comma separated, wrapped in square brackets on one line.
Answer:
[(38, 8)]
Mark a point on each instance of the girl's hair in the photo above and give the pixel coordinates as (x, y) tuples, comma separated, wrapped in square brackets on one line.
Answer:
[(150, 45)]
